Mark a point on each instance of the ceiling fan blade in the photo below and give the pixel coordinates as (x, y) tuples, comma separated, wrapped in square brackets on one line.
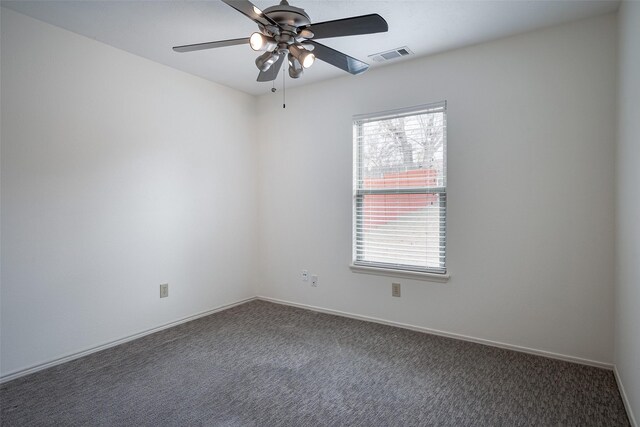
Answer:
[(338, 59), (210, 45), (272, 72), (250, 11), (365, 24)]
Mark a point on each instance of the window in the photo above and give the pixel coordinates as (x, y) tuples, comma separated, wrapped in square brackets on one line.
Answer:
[(400, 189)]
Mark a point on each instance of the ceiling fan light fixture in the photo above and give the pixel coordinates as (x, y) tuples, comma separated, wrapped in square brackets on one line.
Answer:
[(307, 34), (259, 41), (303, 56), (266, 60), (307, 59), (295, 68)]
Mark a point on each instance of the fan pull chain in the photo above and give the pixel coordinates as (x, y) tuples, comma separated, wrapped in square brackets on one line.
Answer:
[(284, 89)]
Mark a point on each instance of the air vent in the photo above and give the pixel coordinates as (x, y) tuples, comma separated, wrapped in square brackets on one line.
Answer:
[(391, 54)]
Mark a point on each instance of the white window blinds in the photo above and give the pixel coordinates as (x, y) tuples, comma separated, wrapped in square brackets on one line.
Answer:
[(400, 189)]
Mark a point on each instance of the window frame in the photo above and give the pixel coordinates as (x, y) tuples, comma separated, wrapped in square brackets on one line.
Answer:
[(390, 269)]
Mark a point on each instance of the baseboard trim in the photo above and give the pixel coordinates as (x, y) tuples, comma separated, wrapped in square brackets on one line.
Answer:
[(625, 399), (506, 346), (39, 367)]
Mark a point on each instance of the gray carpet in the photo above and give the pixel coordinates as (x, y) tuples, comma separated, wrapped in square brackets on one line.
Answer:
[(267, 364)]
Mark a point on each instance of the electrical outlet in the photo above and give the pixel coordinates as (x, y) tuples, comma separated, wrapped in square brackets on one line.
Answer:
[(314, 280), (395, 289), (164, 290), (305, 275)]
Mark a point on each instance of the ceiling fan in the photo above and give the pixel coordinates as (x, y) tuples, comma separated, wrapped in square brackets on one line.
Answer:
[(287, 31)]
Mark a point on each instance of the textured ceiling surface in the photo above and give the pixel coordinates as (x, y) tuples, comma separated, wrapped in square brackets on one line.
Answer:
[(150, 28)]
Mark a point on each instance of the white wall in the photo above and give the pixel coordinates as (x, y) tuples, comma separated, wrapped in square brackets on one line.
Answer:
[(628, 206), (531, 176), (118, 174)]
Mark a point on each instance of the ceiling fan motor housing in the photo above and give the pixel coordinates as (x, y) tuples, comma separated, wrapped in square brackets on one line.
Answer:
[(288, 16)]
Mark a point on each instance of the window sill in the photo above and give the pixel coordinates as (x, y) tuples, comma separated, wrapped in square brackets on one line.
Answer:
[(415, 275)]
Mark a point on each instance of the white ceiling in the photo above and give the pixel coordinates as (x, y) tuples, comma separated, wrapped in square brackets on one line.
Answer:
[(150, 28)]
